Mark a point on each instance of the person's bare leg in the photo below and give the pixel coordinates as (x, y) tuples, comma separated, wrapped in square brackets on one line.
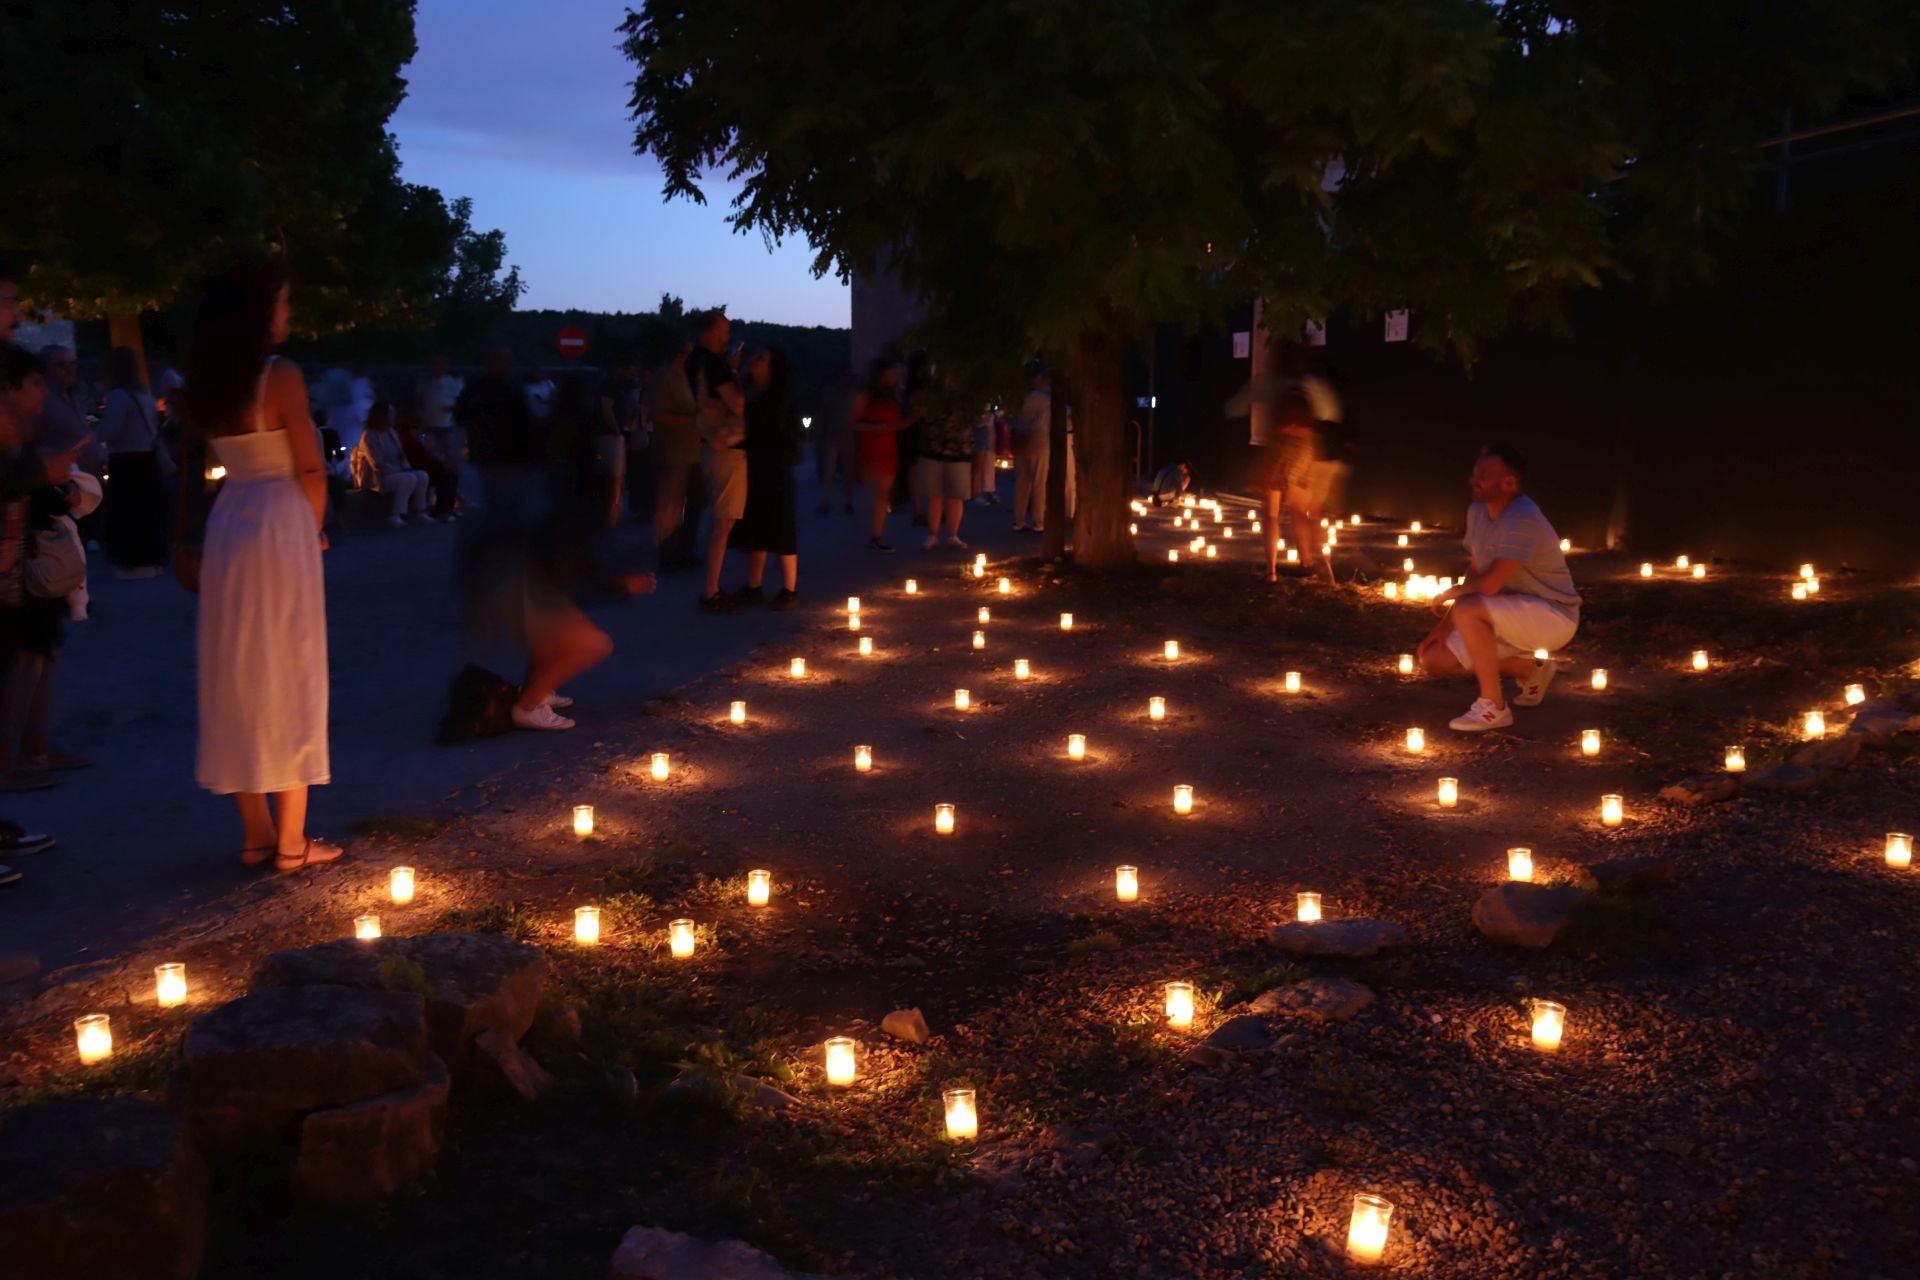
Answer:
[(1272, 528), (1301, 522), (756, 568), (562, 649), (1475, 625), (669, 504), (956, 508), (295, 847), (790, 572), (256, 822), (717, 552), (881, 486)]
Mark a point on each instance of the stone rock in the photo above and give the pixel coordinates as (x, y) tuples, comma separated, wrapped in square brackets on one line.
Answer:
[(1788, 777), (1243, 1034), (1707, 788), (1316, 999), (648, 1253), (1355, 939), (251, 1069), (906, 1024), (1628, 875), (557, 1024), (1878, 718), (1521, 914), (514, 1065), (1829, 753), (99, 1188), (361, 1154), (473, 982)]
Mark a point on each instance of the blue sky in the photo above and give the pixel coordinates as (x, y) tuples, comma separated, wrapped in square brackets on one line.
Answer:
[(523, 107)]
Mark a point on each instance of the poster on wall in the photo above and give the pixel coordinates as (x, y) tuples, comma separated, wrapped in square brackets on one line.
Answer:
[(1397, 326), (1316, 334), (1243, 346)]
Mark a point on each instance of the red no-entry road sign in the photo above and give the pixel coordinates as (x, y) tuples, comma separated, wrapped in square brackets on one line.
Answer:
[(571, 341)]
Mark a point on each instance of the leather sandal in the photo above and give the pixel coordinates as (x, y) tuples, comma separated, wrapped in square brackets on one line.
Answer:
[(313, 854)]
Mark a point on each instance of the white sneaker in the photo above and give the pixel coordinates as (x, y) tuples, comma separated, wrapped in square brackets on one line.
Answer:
[(933, 540), (541, 717), (1533, 692), (396, 522), (558, 701), (1481, 716), (953, 540), (1020, 528)]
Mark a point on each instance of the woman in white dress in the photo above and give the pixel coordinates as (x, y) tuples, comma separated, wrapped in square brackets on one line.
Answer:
[(263, 609)]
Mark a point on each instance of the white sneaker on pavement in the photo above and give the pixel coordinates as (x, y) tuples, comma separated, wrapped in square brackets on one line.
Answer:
[(953, 540), (1481, 716), (541, 717), (933, 540), (558, 701), (1533, 692)]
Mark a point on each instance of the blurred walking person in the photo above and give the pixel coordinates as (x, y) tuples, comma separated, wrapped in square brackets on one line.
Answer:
[(136, 517), (674, 452), (877, 421), (946, 466), (773, 451), (1032, 456), (833, 441), (720, 408)]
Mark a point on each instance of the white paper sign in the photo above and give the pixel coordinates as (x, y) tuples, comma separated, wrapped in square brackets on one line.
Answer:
[(1242, 346), (1316, 334), (1397, 326)]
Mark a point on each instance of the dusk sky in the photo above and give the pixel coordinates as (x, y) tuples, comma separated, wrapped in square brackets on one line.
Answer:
[(524, 109)]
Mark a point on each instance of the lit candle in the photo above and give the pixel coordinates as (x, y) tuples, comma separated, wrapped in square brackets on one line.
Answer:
[(1813, 586), (797, 668), (400, 885), (1699, 659), (1210, 552), (1566, 544), (979, 559), (1006, 586), (1406, 660), (1126, 883), (1293, 555), (1172, 650), (1306, 907), (853, 604), (586, 925), (660, 767), (1406, 566), (985, 615), (1156, 708), (1549, 1024), (1183, 798), (1449, 792), (913, 586), (759, 888), (1076, 746), (1066, 622), (853, 622), (1541, 655), (737, 712), (840, 1068), (1799, 591), (1415, 526), (1856, 694), (1519, 864), (1899, 849), (1814, 725), (680, 938), (979, 639), (1367, 1229), (943, 819), (1646, 569), (1416, 741), (366, 928), (1227, 532), (866, 646), (1599, 677), (1589, 742), (170, 985), (1391, 590), (1736, 759), (1700, 570), (962, 699), (1682, 562), (1255, 527), (1292, 681), (1133, 528), (1806, 571), (1179, 1005), (1021, 669), (93, 1035), (863, 759), (1354, 521), (1613, 810), (583, 817), (979, 571), (963, 1121), (1402, 540)]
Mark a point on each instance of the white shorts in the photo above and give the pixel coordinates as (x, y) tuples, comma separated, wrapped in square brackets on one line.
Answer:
[(1521, 624)]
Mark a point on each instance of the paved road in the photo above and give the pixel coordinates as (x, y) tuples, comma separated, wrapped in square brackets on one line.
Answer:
[(139, 843)]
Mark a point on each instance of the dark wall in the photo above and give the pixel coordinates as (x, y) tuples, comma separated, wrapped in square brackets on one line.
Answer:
[(1773, 416)]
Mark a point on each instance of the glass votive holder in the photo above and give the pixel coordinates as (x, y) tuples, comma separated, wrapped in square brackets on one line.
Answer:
[(1066, 622), (1172, 650), (586, 925), (1613, 811), (1549, 1025), (913, 586), (1599, 677), (1416, 741), (680, 939), (962, 699), (979, 639), (1306, 907), (1855, 694), (1813, 725), (1589, 742), (759, 888), (1179, 1006), (863, 759), (943, 819), (1021, 669), (1406, 660), (1367, 1228), (963, 1117), (1899, 850), (1126, 883), (1076, 746), (93, 1038), (1291, 682), (866, 646), (1183, 799), (659, 766), (1156, 708), (985, 615), (583, 819), (797, 668), (170, 985), (400, 885), (1519, 864), (1736, 759), (840, 1060), (1006, 586), (1449, 792), (737, 712)]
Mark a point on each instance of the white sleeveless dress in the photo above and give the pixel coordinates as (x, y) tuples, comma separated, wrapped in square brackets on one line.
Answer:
[(263, 626)]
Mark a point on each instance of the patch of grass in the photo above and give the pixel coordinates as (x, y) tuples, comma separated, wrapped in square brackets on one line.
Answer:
[(628, 908), (137, 1067), (1619, 927), (638, 874), (1336, 1089), (1093, 944), (396, 826), (510, 918)]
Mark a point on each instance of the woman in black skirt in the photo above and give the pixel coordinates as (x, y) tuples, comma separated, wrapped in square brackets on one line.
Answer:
[(136, 519), (773, 450)]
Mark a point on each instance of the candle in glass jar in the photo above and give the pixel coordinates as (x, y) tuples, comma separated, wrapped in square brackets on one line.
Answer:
[(943, 819), (1183, 798), (1806, 571), (680, 938), (853, 604), (1599, 677), (1700, 660), (853, 622), (1589, 742), (1646, 569), (1856, 694), (1416, 741), (1126, 883), (1613, 810), (1156, 708), (1172, 650), (1212, 551), (1133, 528), (979, 559), (963, 1120), (366, 928), (962, 699), (1449, 794), (863, 759), (1406, 660), (1700, 570), (1813, 586), (1406, 566), (1899, 849), (1179, 1004), (170, 985), (1813, 725), (1736, 759), (1367, 1229), (1415, 526), (1391, 590), (979, 639), (840, 1068), (866, 646), (1682, 562), (1549, 1024), (1519, 864), (93, 1037), (400, 885), (1291, 681), (1293, 555), (985, 615), (1254, 527), (1173, 555), (1566, 544), (913, 586), (660, 767), (1066, 622), (1306, 907), (797, 668), (1076, 746), (586, 925), (1006, 586), (1401, 541), (979, 571), (737, 712), (759, 888), (1021, 669), (583, 819)]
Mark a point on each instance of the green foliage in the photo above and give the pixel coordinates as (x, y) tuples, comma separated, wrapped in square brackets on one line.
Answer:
[(510, 918), (1093, 944)]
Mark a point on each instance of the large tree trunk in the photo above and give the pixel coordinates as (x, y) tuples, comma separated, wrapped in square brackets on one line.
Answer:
[(123, 330), (1054, 546), (1102, 449)]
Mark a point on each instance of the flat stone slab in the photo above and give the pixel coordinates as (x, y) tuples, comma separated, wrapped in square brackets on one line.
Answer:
[(1829, 753), (1789, 777), (251, 1069), (1707, 788), (98, 1188), (648, 1253), (475, 982), (1354, 939), (1629, 875), (362, 1154), (1316, 999), (906, 1024), (1520, 914), (1881, 718)]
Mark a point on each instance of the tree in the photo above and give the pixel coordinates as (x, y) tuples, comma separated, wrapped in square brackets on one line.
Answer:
[(1057, 175), (137, 141)]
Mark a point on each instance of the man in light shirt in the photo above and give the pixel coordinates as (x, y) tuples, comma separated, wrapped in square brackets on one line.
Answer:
[(1518, 598)]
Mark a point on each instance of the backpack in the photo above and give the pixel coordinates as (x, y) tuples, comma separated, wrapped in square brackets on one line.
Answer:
[(479, 705), (56, 564)]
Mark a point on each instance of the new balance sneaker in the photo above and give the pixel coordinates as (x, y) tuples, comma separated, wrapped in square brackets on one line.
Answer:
[(1481, 716), (541, 717), (954, 542), (1534, 691)]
